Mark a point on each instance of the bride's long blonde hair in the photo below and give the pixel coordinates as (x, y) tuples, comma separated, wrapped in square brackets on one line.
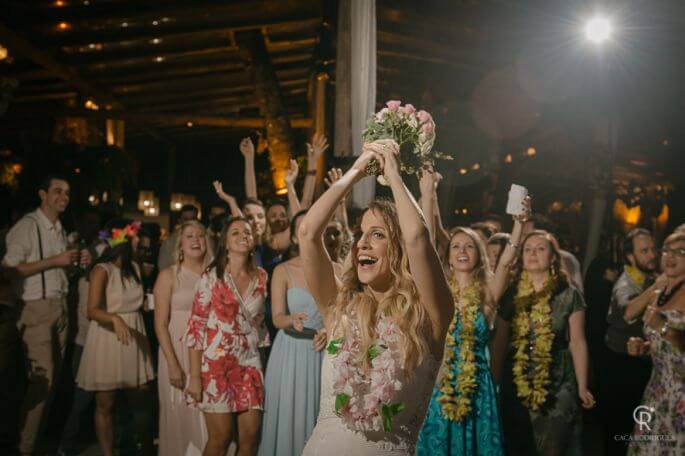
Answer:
[(402, 303)]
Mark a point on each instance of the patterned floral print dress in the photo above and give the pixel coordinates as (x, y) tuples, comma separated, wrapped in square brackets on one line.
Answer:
[(221, 326), (665, 393)]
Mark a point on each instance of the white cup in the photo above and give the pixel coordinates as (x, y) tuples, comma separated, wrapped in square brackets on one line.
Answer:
[(517, 194)]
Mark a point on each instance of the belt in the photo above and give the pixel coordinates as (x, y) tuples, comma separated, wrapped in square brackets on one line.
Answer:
[(306, 333)]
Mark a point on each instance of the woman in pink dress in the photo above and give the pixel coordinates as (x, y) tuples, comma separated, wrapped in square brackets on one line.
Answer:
[(182, 429), (226, 379)]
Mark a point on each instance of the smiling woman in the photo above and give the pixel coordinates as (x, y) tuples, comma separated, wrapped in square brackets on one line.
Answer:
[(386, 317)]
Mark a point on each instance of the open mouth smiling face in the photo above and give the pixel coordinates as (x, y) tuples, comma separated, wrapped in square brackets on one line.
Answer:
[(372, 249)]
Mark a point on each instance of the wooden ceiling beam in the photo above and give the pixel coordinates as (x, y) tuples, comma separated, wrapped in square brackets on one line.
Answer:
[(145, 12), (149, 54), (284, 24), (168, 119)]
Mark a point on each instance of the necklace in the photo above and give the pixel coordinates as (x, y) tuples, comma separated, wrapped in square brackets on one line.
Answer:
[(665, 297)]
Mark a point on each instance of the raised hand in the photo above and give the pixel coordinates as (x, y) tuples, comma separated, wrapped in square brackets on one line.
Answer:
[(219, 189), (317, 147), (333, 176), (428, 182), (291, 177), (527, 210), (247, 148), (390, 151)]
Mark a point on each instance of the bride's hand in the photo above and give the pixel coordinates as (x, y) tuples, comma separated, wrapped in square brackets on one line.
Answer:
[(369, 153), (389, 150)]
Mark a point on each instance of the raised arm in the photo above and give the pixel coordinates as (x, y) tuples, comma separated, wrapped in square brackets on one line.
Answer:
[(424, 262), (500, 281), (228, 199), (290, 179), (317, 147), (334, 175), (427, 187), (247, 149), (442, 237), (636, 306), (318, 267)]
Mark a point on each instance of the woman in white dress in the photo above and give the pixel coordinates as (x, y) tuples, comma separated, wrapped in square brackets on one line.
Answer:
[(386, 318)]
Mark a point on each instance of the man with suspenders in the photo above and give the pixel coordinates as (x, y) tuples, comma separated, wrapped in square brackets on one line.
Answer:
[(37, 249)]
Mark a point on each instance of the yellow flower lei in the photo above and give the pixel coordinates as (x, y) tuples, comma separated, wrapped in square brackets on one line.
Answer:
[(456, 395), (532, 307), (636, 275)]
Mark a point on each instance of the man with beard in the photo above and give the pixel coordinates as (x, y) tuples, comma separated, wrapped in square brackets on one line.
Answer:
[(624, 376)]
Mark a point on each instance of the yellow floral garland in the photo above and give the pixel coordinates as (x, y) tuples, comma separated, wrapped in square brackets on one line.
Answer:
[(636, 275), (532, 308), (456, 396)]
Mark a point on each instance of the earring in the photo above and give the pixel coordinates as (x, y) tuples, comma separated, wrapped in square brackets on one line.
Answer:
[(180, 257), (554, 270)]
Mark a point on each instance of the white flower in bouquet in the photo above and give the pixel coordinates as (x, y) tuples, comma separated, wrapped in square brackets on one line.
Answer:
[(412, 130)]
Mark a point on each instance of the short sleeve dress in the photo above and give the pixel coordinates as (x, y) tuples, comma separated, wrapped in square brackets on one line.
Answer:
[(107, 364), (221, 326)]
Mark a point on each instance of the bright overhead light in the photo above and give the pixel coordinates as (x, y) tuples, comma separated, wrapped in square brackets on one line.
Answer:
[(598, 29)]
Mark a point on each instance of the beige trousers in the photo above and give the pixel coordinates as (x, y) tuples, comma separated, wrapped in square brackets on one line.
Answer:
[(43, 326)]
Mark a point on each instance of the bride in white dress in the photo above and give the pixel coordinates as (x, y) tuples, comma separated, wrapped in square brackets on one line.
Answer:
[(386, 318)]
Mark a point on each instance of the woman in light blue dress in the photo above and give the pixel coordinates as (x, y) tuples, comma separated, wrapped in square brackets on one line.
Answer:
[(293, 376)]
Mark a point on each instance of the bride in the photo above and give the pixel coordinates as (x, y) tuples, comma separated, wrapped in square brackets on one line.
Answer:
[(387, 317)]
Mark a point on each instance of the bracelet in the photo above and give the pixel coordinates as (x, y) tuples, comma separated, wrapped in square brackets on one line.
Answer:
[(311, 172)]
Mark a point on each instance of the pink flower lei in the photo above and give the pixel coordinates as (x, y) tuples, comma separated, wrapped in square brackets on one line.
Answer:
[(364, 399)]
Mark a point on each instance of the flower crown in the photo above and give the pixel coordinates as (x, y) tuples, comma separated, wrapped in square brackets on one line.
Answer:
[(118, 236)]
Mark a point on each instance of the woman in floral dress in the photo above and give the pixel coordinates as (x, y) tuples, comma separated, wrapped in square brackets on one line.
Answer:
[(226, 378), (663, 305)]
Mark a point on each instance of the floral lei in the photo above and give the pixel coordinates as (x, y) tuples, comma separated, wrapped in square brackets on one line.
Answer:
[(636, 275), (363, 399), (456, 391), (532, 345)]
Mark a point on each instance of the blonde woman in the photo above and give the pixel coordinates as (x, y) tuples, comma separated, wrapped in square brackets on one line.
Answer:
[(181, 428), (386, 317)]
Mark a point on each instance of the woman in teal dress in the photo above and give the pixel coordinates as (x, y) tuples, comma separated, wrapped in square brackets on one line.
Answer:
[(293, 375), (541, 340), (463, 418)]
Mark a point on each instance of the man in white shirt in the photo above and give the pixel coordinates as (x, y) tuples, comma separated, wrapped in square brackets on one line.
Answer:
[(37, 249)]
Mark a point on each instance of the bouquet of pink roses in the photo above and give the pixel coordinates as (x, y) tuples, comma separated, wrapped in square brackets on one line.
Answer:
[(413, 131)]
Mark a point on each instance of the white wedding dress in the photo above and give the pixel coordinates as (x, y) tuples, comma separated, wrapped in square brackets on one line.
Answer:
[(331, 436)]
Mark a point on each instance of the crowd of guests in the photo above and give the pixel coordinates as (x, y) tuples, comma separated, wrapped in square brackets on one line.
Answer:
[(284, 330)]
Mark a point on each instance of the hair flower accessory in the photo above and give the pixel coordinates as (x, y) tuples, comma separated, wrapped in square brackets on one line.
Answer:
[(118, 236)]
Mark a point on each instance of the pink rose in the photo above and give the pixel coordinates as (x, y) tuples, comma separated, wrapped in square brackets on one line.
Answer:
[(424, 116), (428, 128), (393, 105), (409, 109), (381, 114)]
